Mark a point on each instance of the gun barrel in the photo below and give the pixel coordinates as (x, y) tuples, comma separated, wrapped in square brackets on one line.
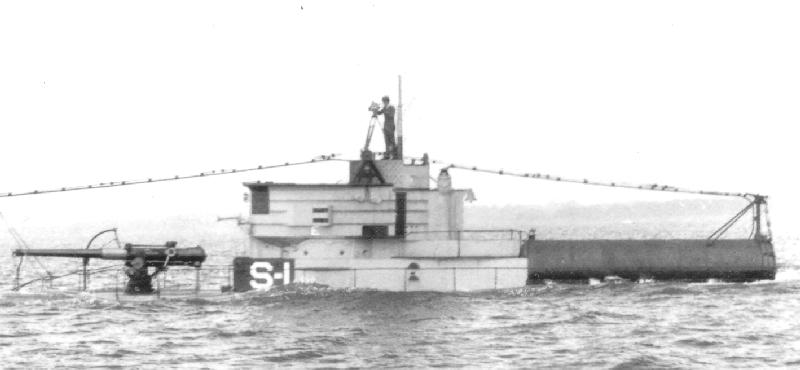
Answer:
[(69, 253), (153, 255)]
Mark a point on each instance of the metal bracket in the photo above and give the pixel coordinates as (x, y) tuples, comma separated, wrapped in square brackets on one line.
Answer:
[(368, 172), (754, 204)]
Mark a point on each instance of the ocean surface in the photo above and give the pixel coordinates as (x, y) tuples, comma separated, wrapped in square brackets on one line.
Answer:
[(599, 324)]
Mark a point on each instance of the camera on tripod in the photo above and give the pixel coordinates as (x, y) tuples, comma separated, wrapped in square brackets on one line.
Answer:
[(374, 108)]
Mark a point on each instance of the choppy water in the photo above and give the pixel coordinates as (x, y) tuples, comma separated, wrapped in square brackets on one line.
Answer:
[(606, 325)]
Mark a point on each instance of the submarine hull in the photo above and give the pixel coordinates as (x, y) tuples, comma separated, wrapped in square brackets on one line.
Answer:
[(664, 259)]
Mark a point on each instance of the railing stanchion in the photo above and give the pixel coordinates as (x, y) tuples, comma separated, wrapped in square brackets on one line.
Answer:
[(197, 281)]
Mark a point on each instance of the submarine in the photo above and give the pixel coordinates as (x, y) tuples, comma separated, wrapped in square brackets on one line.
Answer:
[(391, 226)]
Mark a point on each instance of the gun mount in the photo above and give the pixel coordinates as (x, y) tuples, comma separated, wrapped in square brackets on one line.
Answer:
[(153, 255), (137, 257)]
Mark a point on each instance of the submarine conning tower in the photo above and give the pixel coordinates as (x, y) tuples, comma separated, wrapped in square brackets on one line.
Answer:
[(382, 199), (385, 228)]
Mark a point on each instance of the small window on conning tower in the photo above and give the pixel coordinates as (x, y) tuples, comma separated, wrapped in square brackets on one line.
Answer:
[(260, 201)]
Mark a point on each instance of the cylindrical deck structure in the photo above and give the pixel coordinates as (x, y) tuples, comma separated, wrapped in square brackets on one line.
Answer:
[(664, 259)]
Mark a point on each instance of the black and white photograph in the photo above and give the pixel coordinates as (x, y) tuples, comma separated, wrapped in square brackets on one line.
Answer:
[(399, 184)]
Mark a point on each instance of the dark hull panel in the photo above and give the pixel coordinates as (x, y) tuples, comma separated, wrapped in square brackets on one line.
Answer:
[(664, 259)]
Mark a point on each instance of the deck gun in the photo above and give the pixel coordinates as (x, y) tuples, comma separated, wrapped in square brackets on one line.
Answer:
[(137, 257)]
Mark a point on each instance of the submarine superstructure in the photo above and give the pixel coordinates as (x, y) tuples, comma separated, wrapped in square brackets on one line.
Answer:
[(391, 226), (386, 228)]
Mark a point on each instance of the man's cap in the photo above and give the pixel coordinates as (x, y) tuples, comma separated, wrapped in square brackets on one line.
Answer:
[(385, 98)]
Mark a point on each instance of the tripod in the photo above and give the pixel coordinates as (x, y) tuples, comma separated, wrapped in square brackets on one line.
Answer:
[(391, 149), (372, 122)]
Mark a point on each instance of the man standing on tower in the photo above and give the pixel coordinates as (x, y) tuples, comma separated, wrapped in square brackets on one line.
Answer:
[(388, 128)]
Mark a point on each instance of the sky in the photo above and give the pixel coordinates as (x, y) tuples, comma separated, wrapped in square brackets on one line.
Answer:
[(700, 94)]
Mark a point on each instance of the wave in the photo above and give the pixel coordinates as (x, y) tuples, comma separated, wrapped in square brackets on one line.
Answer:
[(645, 362)]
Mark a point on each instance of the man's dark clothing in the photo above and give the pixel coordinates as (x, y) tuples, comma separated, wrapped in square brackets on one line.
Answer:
[(388, 129), (139, 281), (388, 115)]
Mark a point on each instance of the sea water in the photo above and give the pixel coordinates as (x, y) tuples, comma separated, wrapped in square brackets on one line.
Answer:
[(602, 324)]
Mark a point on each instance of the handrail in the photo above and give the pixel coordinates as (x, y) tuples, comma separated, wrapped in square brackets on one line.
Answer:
[(459, 233)]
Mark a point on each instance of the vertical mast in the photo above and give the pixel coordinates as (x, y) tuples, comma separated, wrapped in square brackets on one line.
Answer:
[(400, 117)]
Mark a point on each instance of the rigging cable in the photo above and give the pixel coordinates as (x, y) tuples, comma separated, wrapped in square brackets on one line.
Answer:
[(321, 158), (755, 200), (548, 177), (49, 276)]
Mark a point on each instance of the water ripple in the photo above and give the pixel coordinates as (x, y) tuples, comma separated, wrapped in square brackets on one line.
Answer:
[(620, 326)]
